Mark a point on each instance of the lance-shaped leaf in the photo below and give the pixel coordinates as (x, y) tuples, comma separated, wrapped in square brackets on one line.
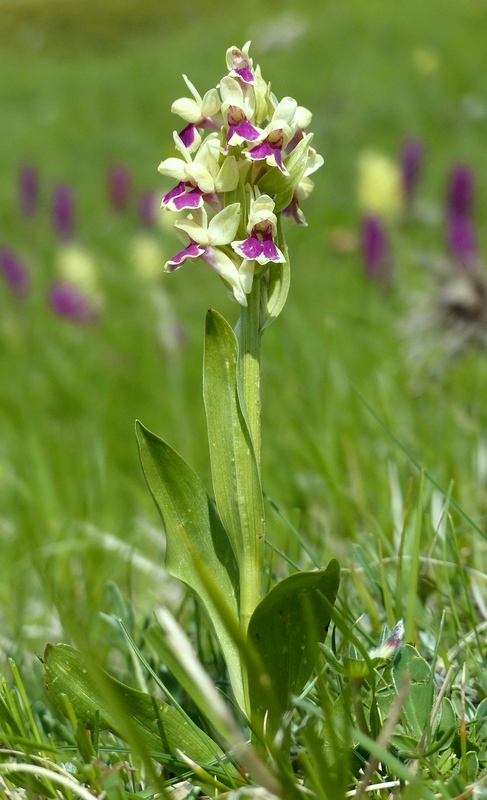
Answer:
[(285, 630), (236, 481), (419, 701), (196, 539), (98, 700)]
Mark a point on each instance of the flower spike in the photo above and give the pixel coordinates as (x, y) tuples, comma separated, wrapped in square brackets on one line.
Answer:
[(243, 160)]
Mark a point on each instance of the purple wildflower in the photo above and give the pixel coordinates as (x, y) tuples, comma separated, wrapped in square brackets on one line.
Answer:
[(389, 647), (460, 233), (411, 157), (119, 184), (460, 191), (375, 249), (14, 272), (68, 302), (461, 241), (147, 209), (28, 190), (63, 211)]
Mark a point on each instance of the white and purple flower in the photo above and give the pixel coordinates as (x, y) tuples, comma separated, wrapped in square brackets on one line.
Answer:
[(198, 112), (240, 64), (271, 145), (237, 110), (262, 227), (204, 240), (199, 177), (259, 247), (303, 188)]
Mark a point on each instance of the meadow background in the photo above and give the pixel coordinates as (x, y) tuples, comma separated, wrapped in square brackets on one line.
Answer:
[(86, 85)]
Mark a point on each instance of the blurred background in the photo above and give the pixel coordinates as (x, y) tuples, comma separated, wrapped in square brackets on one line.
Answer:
[(93, 335)]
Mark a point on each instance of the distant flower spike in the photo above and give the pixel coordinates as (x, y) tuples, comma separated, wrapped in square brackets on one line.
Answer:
[(14, 272), (28, 190)]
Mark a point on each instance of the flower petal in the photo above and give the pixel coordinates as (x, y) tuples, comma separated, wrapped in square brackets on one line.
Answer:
[(224, 225), (231, 91), (228, 175), (243, 132), (190, 137), (260, 250), (285, 110), (187, 109), (195, 232), (191, 251), (183, 196), (272, 155), (174, 167)]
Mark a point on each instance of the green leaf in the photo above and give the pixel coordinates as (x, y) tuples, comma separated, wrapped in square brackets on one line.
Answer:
[(419, 700), (274, 182), (196, 539), (97, 698), (445, 723), (285, 630), (236, 481)]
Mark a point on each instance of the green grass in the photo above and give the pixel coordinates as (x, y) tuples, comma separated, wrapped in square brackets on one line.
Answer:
[(84, 85)]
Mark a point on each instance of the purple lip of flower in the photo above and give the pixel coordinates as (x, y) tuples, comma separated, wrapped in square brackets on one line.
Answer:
[(28, 190), (461, 241), (67, 302), (147, 209), (119, 186), (238, 124), (260, 243), (184, 195), (271, 146), (460, 191), (14, 272), (188, 135), (412, 154), (292, 211), (241, 67), (193, 250), (63, 211), (375, 250)]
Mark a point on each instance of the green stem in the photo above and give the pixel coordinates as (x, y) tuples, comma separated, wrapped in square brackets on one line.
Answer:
[(249, 354), (250, 337)]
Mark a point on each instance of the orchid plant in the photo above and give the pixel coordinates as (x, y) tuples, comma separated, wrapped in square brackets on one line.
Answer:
[(243, 162)]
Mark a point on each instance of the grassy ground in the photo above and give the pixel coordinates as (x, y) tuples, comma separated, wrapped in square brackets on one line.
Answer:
[(85, 85)]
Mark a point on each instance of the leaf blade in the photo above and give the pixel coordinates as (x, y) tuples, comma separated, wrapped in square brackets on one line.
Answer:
[(195, 536), (235, 473), (97, 698), (286, 643)]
